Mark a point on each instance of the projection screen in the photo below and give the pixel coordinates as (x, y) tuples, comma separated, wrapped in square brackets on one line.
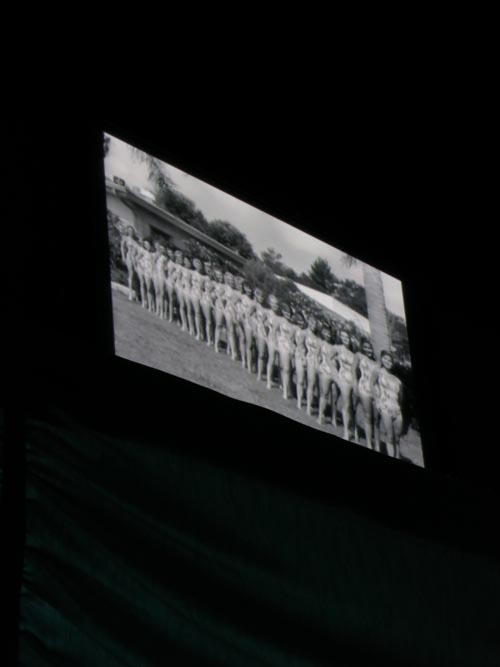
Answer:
[(210, 289)]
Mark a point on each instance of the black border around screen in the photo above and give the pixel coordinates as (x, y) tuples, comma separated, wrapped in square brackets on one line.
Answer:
[(198, 162)]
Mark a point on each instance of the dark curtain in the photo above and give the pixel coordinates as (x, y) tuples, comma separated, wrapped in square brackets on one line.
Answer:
[(142, 552)]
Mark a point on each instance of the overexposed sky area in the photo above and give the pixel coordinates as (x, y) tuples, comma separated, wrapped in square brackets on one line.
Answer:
[(298, 249)]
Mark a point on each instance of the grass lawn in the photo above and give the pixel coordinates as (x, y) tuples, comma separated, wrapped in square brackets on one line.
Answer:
[(142, 337)]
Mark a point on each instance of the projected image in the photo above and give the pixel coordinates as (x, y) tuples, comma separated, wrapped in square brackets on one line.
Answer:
[(215, 291)]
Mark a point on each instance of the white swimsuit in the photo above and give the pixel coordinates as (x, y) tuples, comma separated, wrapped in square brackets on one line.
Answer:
[(230, 305), (147, 263), (206, 295), (196, 285), (285, 337), (312, 345), (345, 359), (388, 401), (219, 291), (326, 364), (186, 281), (170, 273), (260, 318), (272, 329), (130, 251), (161, 264), (366, 367)]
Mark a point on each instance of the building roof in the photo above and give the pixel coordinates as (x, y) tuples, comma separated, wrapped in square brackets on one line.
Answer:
[(135, 198)]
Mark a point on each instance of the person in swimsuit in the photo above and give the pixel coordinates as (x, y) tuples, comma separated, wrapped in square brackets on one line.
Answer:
[(326, 372), (300, 355), (150, 274), (312, 343), (343, 377), (145, 265), (362, 370), (207, 304), (242, 304), (129, 249), (186, 290), (177, 275), (285, 342), (247, 309), (159, 281), (272, 323), (139, 270), (230, 301), (219, 292), (169, 282), (388, 392), (197, 280), (260, 330)]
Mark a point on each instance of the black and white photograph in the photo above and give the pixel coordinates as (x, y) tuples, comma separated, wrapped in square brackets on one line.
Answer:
[(215, 291)]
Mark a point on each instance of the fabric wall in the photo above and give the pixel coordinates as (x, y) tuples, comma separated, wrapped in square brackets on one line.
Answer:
[(140, 552)]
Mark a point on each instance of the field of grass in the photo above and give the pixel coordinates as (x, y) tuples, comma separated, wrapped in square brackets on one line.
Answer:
[(142, 337)]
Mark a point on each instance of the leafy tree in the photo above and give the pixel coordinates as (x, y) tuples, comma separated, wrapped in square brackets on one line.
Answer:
[(258, 274), (197, 249), (182, 207), (227, 234), (284, 289), (305, 279), (272, 259), (322, 275), (166, 194), (353, 295)]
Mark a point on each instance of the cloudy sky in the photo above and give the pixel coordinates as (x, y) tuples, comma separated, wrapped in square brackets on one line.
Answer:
[(299, 250)]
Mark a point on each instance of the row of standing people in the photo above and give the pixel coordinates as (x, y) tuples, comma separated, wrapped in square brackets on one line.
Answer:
[(212, 305)]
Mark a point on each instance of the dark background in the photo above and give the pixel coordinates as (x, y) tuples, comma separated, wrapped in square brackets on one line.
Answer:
[(401, 194)]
